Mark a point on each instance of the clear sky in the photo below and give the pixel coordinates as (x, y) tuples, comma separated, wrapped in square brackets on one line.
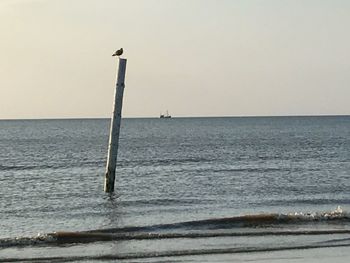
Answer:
[(192, 57)]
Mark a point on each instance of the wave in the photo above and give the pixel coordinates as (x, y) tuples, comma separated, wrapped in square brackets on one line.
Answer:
[(162, 162), (22, 167), (254, 220), (52, 166), (165, 202), (308, 201), (262, 225), (261, 170), (56, 238)]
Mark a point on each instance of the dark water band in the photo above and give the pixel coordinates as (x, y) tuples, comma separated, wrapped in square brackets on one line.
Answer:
[(178, 253), (76, 237), (87, 237)]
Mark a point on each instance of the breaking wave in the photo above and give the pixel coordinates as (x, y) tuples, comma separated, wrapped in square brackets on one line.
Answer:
[(246, 225)]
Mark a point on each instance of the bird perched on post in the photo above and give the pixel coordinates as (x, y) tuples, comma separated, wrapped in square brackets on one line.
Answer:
[(118, 52)]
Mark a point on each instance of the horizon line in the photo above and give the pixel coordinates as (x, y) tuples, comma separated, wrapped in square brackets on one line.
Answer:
[(180, 117)]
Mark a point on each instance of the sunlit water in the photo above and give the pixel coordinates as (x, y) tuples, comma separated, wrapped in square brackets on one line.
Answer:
[(189, 182)]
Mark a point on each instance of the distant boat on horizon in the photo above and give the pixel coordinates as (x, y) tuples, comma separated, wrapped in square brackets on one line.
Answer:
[(165, 116)]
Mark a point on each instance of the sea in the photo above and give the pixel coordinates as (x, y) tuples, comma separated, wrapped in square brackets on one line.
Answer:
[(223, 189)]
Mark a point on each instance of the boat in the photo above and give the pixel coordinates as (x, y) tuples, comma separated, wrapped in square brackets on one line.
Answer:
[(165, 116)]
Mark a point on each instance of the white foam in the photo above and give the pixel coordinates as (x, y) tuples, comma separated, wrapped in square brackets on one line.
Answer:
[(338, 213)]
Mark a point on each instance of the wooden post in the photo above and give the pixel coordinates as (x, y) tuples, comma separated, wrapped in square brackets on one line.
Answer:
[(115, 128)]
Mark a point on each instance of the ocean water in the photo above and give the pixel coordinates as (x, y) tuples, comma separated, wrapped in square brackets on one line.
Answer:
[(187, 190)]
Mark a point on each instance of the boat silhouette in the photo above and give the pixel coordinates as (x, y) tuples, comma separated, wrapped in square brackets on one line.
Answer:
[(165, 116)]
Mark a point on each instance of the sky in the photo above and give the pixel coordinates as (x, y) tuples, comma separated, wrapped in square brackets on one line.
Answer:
[(191, 57)]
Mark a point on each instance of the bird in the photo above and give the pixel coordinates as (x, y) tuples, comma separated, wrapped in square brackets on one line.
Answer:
[(118, 52)]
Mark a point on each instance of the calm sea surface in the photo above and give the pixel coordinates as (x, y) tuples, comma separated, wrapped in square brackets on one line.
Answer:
[(187, 190)]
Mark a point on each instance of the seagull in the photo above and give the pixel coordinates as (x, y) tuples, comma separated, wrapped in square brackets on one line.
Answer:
[(118, 52)]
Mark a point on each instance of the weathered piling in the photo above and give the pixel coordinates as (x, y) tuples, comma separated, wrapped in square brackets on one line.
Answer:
[(115, 128)]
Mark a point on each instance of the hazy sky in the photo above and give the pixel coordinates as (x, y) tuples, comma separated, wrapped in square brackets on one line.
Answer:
[(194, 58)]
